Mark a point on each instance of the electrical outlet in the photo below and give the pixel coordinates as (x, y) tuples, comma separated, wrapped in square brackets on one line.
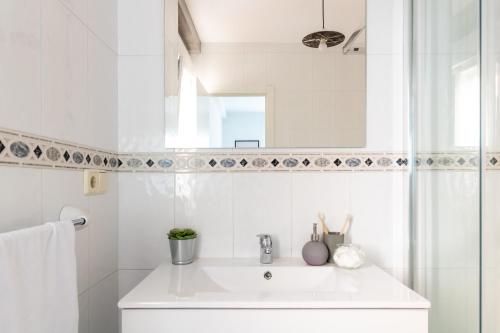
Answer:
[(94, 182)]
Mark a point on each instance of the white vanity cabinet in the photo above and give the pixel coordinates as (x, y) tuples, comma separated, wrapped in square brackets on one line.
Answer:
[(234, 295)]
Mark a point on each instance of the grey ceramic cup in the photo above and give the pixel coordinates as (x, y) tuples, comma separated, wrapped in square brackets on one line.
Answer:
[(182, 251), (332, 241)]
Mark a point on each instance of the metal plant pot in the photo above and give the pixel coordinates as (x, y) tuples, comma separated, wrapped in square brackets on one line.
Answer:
[(182, 251)]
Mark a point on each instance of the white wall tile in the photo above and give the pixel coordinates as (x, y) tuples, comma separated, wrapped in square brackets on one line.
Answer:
[(141, 103), (103, 311), (280, 75), (384, 103), (492, 26), (83, 305), (333, 193), (284, 205), (324, 71), (450, 228), (491, 106), (229, 68), (103, 94), (20, 91), (21, 198), (254, 71), (103, 21), (350, 73), (384, 21), (141, 27), (491, 215), (491, 286), (64, 74), (204, 203), (78, 7), (295, 112), (103, 232), (261, 204), (328, 193), (65, 188), (353, 122), (146, 215), (62, 188), (323, 110), (44, 90), (378, 217)]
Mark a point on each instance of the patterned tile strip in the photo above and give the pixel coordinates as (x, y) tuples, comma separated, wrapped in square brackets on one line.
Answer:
[(34, 151), (261, 162)]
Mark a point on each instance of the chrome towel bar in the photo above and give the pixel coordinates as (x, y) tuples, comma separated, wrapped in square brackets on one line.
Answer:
[(80, 221), (75, 215)]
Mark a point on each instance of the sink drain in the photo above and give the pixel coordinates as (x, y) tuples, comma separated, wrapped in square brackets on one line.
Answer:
[(268, 275)]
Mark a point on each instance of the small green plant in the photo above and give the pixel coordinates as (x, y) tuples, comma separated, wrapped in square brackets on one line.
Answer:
[(182, 233)]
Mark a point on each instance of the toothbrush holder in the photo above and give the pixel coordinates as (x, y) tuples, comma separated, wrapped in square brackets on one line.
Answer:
[(332, 240)]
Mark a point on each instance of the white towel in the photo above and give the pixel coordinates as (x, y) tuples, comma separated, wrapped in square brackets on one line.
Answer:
[(38, 292)]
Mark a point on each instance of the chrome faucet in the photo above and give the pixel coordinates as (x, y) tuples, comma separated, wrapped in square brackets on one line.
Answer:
[(266, 249)]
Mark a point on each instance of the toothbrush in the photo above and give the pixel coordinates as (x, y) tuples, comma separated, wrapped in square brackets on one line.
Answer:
[(347, 225), (321, 218)]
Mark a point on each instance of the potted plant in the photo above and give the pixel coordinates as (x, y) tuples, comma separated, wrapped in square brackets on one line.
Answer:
[(182, 242)]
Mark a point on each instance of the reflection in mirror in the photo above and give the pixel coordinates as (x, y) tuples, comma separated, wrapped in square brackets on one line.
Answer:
[(265, 73), (239, 121)]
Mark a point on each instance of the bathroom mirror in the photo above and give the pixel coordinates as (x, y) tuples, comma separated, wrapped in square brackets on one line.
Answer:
[(265, 73)]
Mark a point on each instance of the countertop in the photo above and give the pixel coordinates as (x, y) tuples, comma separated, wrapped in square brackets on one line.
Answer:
[(229, 283)]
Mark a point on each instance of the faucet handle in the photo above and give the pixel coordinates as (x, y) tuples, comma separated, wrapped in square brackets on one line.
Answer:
[(265, 240)]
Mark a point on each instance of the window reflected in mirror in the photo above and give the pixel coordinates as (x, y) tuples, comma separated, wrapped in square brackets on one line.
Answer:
[(218, 121)]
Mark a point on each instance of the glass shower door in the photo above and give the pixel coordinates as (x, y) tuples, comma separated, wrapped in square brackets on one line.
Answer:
[(446, 177), (491, 170)]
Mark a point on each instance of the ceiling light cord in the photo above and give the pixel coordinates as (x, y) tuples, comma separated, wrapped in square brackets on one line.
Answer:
[(323, 11), (323, 39)]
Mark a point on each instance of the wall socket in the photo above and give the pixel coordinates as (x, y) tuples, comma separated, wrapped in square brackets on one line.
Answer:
[(94, 182)]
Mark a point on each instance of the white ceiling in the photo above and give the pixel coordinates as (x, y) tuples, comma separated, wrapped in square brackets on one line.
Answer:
[(272, 21)]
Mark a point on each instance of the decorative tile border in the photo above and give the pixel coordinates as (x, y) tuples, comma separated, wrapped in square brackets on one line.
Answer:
[(493, 161), (466, 161), (29, 150), (261, 162), (35, 151)]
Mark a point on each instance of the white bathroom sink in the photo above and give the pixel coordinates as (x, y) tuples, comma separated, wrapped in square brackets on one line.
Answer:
[(240, 283), (277, 279)]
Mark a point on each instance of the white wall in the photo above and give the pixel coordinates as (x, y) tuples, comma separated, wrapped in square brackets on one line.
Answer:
[(141, 75), (58, 65), (230, 208)]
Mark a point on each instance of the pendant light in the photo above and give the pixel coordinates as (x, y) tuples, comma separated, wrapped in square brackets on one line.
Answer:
[(323, 39)]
